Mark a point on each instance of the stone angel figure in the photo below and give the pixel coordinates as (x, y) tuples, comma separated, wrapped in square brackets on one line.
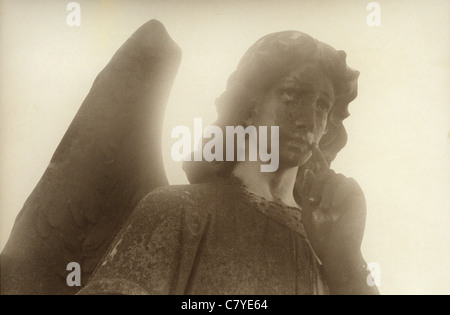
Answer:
[(105, 203)]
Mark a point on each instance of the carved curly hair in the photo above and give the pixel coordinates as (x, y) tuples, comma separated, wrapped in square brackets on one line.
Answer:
[(271, 58)]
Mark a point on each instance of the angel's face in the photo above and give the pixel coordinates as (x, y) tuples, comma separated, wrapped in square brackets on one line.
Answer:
[(299, 104)]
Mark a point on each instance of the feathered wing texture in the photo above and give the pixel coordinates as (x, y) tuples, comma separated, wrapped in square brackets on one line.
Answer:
[(108, 160)]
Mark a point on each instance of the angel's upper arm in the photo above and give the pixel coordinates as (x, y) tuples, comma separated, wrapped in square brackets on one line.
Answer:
[(154, 251)]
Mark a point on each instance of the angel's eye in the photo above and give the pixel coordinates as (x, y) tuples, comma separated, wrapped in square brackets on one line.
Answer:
[(288, 94), (323, 105)]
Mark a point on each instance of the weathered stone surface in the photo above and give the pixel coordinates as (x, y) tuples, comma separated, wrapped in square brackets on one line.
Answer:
[(108, 160), (214, 238)]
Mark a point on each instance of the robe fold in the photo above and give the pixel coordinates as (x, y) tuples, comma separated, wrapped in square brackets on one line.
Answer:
[(214, 238)]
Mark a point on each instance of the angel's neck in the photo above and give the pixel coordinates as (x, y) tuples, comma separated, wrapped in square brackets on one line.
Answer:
[(275, 186)]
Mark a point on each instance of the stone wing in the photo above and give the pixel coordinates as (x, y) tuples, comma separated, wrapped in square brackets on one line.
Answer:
[(108, 160)]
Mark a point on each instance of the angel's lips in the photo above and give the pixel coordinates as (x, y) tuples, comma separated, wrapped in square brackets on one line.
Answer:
[(300, 140), (300, 144)]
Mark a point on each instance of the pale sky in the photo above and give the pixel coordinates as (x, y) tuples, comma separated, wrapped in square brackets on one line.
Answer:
[(399, 128)]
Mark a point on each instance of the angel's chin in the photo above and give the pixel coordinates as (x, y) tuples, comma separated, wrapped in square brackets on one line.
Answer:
[(296, 157)]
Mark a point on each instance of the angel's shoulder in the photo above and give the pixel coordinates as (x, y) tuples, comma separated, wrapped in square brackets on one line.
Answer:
[(179, 200)]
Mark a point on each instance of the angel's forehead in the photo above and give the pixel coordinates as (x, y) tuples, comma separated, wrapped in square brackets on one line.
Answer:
[(308, 75)]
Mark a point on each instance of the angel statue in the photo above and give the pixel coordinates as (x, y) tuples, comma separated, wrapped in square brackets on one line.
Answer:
[(104, 201)]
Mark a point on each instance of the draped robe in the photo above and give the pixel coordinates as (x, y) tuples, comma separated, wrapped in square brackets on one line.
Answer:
[(211, 238)]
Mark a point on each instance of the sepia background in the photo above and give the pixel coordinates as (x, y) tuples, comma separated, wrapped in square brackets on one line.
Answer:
[(399, 128)]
